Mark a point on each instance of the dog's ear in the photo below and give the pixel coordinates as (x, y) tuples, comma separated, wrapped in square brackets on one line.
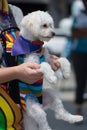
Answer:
[(25, 21)]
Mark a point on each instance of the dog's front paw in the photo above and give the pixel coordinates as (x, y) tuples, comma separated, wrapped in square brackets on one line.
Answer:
[(49, 74), (65, 67), (52, 79)]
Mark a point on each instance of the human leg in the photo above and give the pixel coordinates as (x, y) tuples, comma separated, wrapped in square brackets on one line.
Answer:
[(80, 69)]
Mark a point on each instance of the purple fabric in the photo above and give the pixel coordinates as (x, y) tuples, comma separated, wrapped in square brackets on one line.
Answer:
[(20, 47), (23, 46)]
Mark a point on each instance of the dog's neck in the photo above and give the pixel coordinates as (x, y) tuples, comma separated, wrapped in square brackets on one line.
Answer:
[(27, 35)]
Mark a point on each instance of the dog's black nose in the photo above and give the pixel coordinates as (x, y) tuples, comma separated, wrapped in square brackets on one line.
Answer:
[(53, 33)]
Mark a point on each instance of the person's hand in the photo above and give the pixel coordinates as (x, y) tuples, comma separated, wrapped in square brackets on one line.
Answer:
[(54, 64), (27, 72)]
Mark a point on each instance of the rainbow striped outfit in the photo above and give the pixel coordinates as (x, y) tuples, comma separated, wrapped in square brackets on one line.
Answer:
[(20, 48)]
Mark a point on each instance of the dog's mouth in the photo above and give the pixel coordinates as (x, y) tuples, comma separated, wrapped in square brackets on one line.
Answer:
[(46, 37)]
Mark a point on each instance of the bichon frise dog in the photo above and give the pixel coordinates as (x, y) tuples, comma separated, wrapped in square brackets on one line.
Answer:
[(36, 28)]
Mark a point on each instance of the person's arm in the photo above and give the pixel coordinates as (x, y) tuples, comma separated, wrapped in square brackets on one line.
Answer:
[(79, 32), (25, 72)]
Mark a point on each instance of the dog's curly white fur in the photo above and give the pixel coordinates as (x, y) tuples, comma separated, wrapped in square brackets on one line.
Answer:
[(39, 25)]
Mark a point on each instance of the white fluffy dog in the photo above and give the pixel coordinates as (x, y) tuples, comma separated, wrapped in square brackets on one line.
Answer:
[(38, 27)]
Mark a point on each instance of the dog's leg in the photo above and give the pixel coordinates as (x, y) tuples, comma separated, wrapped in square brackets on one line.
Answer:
[(36, 112), (28, 122), (48, 73), (65, 67), (51, 98)]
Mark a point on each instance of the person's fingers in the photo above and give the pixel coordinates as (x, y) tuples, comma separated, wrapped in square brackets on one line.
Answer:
[(57, 64), (34, 66), (54, 57), (36, 77), (54, 67)]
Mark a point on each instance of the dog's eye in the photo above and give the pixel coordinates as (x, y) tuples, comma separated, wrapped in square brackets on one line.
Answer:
[(45, 25)]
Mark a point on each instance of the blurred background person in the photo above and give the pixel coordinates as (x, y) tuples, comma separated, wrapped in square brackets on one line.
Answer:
[(66, 25), (79, 55)]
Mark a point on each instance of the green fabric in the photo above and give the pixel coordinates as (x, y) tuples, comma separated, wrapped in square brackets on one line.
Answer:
[(2, 119)]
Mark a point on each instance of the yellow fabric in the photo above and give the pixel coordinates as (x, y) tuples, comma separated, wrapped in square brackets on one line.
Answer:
[(9, 44), (7, 112), (5, 6), (10, 113)]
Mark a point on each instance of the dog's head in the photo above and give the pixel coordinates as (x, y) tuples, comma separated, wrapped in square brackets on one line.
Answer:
[(39, 24)]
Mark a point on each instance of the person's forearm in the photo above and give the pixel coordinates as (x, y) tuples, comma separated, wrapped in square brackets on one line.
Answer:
[(79, 32), (26, 72), (7, 74)]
